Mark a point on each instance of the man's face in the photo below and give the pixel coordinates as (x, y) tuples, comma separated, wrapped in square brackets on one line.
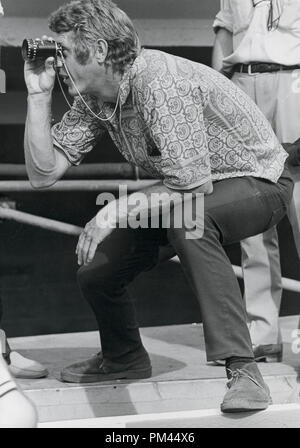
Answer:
[(85, 76)]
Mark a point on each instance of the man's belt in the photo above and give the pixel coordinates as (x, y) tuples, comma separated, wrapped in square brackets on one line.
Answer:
[(262, 67)]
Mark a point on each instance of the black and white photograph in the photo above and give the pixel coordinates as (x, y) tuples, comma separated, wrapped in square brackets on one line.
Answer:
[(149, 217)]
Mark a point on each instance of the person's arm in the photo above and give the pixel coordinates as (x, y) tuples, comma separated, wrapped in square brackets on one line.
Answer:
[(223, 28), (44, 162), (223, 47), (157, 200)]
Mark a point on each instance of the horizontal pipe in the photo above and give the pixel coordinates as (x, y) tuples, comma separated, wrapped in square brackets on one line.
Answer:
[(69, 229), (10, 186), (86, 170), (287, 283), (38, 221)]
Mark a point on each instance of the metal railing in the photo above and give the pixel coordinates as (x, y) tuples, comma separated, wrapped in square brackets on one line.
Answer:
[(13, 186), (97, 171), (87, 177), (69, 229)]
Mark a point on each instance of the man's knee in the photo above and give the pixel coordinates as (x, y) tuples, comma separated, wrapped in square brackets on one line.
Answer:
[(94, 277)]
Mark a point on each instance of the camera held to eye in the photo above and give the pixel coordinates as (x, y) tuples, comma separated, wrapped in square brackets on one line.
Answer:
[(35, 49)]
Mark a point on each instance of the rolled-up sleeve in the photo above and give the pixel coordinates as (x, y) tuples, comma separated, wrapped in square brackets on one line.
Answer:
[(77, 133), (174, 116), (224, 17)]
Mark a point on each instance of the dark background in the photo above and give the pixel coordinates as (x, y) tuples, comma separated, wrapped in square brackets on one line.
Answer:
[(154, 9)]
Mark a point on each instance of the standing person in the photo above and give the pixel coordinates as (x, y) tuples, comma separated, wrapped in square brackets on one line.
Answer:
[(258, 45), (19, 366), (197, 133)]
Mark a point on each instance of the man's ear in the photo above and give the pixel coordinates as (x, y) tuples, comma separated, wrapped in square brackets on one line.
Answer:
[(102, 50)]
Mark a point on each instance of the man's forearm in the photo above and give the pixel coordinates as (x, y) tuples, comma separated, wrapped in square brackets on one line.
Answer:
[(149, 202), (223, 47), (159, 198), (40, 156), (161, 188)]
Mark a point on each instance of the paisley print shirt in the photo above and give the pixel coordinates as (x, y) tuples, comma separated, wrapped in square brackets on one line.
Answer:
[(181, 121)]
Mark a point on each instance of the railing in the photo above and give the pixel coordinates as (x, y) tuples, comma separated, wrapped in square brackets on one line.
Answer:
[(85, 171), (88, 177), (10, 186), (69, 229)]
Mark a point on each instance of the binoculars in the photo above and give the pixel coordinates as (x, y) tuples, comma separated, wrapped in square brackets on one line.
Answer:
[(34, 49)]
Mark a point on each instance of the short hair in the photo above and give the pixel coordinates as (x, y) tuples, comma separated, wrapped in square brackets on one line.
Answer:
[(91, 20)]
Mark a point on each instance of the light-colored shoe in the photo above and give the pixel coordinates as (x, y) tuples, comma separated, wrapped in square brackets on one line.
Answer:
[(18, 365), (247, 390), (21, 367), (16, 410)]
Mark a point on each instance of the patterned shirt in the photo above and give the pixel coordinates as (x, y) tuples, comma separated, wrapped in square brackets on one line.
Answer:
[(181, 121)]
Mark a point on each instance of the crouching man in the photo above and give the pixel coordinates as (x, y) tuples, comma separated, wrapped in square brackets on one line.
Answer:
[(196, 132)]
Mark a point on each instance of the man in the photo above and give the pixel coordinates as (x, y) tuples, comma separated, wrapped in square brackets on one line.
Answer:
[(195, 131), (19, 366), (258, 46)]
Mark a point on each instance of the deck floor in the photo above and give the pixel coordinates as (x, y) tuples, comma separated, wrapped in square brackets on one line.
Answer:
[(182, 379)]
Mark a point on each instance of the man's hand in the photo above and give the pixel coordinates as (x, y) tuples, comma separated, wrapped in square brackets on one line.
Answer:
[(90, 238), (116, 211), (40, 75), (293, 149)]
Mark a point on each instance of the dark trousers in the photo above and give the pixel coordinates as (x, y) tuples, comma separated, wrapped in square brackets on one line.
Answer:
[(238, 208)]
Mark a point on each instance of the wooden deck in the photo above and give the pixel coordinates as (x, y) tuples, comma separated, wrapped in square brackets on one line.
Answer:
[(182, 380)]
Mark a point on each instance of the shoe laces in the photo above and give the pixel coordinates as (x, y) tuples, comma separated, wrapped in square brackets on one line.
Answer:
[(237, 374)]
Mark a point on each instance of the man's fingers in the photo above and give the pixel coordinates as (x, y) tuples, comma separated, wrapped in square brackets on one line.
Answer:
[(85, 249), (49, 64), (91, 251), (79, 255), (35, 66), (45, 37), (79, 248)]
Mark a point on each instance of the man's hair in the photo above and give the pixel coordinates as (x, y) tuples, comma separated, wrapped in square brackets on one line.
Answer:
[(91, 20)]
